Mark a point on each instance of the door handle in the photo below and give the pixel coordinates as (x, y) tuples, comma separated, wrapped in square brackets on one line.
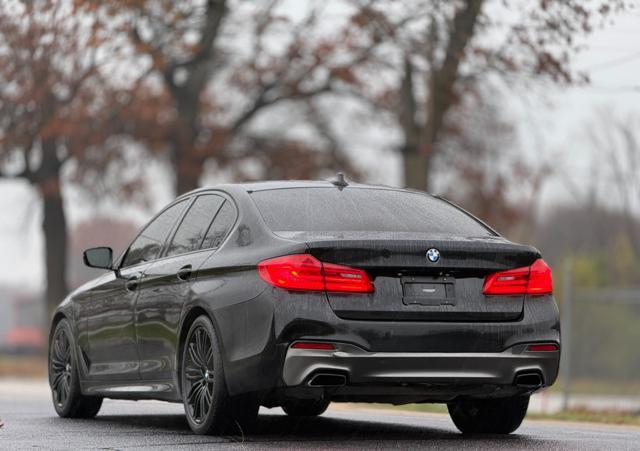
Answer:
[(184, 273), (132, 283)]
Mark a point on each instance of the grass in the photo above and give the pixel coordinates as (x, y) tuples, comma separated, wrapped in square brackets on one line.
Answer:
[(23, 366), (590, 416), (579, 414), (595, 387)]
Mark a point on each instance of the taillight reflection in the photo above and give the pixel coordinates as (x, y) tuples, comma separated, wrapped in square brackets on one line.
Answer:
[(313, 345), (543, 347)]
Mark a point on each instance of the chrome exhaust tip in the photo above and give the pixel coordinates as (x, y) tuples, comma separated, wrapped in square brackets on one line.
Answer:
[(327, 380), (529, 380)]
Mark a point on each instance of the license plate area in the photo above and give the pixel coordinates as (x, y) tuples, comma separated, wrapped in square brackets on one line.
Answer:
[(428, 291)]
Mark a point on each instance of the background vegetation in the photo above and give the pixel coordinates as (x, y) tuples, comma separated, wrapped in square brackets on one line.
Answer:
[(109, 107)]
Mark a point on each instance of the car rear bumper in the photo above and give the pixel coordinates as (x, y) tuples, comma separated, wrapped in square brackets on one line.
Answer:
[(435, 358), (302, 367)]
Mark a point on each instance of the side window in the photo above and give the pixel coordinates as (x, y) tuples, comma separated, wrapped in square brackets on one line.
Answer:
[(220, 227), (149, 243), (194, 225)]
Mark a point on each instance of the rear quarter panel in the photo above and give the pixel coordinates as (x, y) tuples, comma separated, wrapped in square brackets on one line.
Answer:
[(227, 286)]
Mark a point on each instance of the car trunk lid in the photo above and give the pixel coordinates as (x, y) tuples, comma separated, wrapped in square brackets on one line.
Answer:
[(410, 287)]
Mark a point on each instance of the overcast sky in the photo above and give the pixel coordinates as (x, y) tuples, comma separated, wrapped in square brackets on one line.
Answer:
[(612, 58)]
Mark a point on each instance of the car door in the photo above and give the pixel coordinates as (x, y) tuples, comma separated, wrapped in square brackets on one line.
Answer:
[(167, 285), (112, 352)]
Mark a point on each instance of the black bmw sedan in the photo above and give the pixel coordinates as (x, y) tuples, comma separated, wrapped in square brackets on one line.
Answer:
[(297, 294)]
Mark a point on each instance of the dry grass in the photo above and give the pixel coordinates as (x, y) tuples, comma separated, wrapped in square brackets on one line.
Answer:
[(578, 414), (591, 416), (23, 366)]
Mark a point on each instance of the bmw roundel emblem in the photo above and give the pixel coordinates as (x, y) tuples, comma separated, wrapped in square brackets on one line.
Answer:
[(433, 255)]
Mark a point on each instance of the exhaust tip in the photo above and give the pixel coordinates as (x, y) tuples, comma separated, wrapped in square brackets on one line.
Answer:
[(327, 380), (529, 380)]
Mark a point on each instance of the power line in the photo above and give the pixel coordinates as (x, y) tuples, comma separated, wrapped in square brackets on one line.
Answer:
[(622, 89), (614, 62)]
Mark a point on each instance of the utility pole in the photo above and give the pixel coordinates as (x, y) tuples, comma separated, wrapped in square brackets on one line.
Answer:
[(566, 332)]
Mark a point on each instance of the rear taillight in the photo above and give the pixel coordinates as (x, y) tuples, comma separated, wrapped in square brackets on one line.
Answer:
[(535, 279), (346, 279), (313, 345), (304, 272)]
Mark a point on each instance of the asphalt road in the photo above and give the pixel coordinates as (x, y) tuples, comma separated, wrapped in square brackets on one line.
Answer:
[(30, 422)]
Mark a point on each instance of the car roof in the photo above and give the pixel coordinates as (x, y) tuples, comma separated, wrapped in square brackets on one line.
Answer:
[(251, 187), (284, 184)]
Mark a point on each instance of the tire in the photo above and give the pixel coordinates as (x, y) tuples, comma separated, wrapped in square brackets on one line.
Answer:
[(68, 400), (207, 404), (489, 416), (305, 407)]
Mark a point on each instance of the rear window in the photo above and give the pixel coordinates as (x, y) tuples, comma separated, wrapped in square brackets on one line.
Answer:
[(362, 210)]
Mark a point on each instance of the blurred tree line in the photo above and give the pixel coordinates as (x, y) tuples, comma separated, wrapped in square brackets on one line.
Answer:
[(595, 241), (92, 91), (599, 236)]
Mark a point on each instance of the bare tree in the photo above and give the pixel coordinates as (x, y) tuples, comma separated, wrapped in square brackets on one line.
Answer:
[(60, 118), (485, 171), (214, 85), (47, 85), (438, 49), (616, 139)]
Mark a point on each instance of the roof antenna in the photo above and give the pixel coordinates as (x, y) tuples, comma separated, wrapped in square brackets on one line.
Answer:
[(339, 181)]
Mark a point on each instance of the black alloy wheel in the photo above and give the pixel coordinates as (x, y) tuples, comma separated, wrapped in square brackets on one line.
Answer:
[(207, 404), (68, 400), (199, 374), (61, 368)]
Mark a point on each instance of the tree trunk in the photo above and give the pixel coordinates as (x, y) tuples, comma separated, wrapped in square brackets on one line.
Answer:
[(422, 142), (187, 164), (416, 167), (416, 162), (443, 79), (188, 173), (54, 227)]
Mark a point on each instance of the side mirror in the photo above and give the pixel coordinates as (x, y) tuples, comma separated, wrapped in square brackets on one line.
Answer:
[(98, 257)]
